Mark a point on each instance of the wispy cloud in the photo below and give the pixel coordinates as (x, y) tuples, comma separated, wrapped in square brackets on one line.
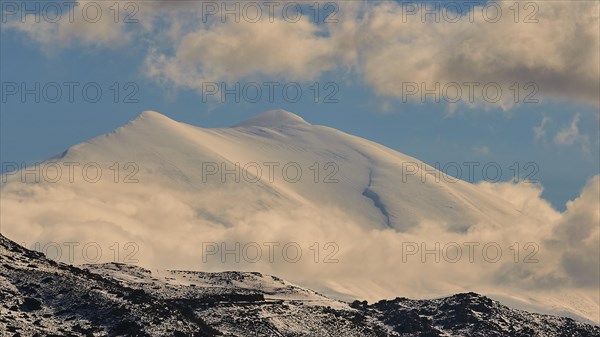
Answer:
[(570, 135), (482, 150), (539, 132)]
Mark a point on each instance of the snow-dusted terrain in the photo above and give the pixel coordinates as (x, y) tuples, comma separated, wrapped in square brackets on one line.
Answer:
[(41, 297), (170, 194)]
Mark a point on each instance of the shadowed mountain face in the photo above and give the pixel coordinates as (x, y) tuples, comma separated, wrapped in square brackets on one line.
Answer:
[(41, 297)]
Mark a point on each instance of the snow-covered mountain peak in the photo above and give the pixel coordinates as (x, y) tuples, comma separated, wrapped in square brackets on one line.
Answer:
[(274, 118), (170, 187), (151, 123), (153, 117)]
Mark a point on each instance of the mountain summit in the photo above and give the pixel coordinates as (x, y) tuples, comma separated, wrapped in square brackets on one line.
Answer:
[(153, 115)]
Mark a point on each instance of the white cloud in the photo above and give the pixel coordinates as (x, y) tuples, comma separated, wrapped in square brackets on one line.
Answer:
[(235, 51), (570, 135), (392, 50), (84, 23), (577, 235), (482, 150), (379, 42), (539, 132), (504, 52)]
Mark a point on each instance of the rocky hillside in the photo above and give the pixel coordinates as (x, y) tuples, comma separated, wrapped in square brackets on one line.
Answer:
[(39, 297)]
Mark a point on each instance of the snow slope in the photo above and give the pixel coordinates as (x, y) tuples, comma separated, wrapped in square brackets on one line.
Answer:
[(171, 199), (370, 175)]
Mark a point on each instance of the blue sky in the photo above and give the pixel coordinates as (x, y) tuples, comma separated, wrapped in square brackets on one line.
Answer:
[(565, 147)]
